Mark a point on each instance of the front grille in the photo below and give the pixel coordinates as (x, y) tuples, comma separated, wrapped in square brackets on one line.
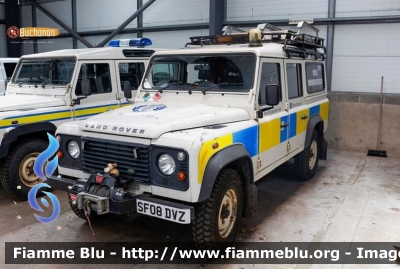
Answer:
[(97, 153)]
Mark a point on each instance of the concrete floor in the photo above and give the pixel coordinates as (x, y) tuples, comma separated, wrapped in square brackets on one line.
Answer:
[(352, 198)]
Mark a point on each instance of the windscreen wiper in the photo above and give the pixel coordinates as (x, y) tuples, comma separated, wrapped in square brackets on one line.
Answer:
[(221, 84), (38, 79), (170, 83)]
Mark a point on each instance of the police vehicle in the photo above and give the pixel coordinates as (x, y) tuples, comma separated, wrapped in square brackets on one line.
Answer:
[(208, 122), (48, 89)]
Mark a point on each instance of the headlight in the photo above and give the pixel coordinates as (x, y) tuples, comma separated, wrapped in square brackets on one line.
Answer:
[(74, 149), (166, 164)]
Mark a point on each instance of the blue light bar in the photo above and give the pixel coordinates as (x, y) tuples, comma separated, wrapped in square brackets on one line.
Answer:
[(133, 42)]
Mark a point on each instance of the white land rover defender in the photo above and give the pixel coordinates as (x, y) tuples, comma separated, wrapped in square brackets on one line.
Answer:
[(192, 145), (47, 90)]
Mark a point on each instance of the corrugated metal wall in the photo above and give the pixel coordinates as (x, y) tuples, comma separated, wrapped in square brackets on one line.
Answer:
[(94, 15), (62, 10), (362, 52), (360, 8), (249, 10), (173, 12), (179, 39)]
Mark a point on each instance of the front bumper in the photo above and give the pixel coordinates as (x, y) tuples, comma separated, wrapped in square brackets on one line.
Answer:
[(60, 182), (105, 194)]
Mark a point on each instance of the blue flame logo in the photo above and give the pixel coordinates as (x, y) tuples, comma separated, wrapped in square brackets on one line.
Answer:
[(44, 156), (39, 167)]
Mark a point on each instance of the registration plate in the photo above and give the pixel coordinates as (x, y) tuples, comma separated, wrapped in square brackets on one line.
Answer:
[(170, 213)]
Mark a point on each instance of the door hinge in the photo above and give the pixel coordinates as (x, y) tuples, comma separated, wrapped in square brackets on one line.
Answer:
[(288, 147), (259, 163)]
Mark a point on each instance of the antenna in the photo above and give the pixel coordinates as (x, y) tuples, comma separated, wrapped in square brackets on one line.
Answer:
[(97, 34), (201, 22)]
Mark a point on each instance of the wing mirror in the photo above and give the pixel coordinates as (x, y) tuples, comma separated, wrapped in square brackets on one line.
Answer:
[(127, 90), (86, 87), (272, 95)]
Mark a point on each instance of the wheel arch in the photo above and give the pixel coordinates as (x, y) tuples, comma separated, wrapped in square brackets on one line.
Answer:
[(33, 130), (238, 158), (317, 123)]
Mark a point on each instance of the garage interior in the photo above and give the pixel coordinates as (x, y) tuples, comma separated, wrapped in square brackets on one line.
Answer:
[(352, 198)]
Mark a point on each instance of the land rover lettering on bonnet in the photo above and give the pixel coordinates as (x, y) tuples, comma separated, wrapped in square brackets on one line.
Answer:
[(116, 129)]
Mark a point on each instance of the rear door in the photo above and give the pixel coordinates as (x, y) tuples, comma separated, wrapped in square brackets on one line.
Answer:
[(297, 107)]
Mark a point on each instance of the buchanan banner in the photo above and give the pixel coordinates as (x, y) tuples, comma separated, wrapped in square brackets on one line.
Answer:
[(32, 32)]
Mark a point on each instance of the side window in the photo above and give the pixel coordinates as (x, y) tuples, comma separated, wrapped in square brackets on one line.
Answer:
[(315, 77), (270, 75), (9, 67), (99, 77), (294, 82), (131, 72)]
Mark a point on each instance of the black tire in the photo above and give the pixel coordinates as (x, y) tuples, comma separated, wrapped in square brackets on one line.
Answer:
[(81, 213), (9, 175), (305, 169), (205, 226)]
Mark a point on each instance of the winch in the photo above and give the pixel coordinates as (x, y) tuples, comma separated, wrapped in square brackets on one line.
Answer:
[(103, 194)]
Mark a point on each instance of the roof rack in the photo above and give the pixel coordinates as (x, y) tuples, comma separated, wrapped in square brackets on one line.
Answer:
[(295, 44)]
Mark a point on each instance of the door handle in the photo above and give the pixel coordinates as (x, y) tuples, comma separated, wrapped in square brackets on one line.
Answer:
[(284, 125), (304, 117)]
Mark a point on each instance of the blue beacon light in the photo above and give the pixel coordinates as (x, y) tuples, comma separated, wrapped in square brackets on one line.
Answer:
[(133, 42)]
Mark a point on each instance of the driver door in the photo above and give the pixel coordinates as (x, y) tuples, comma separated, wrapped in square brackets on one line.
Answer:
[(101, 75), (273, 126)]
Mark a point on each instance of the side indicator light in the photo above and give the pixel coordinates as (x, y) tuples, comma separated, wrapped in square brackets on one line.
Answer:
[(182, 176), (60, 154), (215, 146)]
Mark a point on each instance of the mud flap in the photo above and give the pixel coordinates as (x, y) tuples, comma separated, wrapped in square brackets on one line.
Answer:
[(250, 208), (324, 149)]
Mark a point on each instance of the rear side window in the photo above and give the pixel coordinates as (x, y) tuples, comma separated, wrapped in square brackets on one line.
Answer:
[(294, 83), (315, 77)]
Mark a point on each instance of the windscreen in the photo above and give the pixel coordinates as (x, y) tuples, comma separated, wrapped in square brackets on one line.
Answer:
[(44, 71), (222, 72)]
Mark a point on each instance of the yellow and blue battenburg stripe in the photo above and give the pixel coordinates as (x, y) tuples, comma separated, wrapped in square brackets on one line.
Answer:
[(56, 115), (258, 139), (248, 137)]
